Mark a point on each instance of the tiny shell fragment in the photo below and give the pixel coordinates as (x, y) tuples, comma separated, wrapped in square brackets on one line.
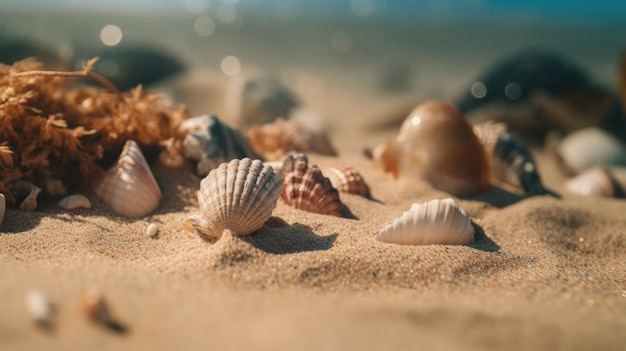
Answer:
[(40, 307), (152, 230), (94, 307), (74, 202)]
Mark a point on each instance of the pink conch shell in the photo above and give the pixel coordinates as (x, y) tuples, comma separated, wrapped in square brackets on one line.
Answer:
[(129, 187)]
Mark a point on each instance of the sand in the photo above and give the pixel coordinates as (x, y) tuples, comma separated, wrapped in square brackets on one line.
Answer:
[(544, 273)]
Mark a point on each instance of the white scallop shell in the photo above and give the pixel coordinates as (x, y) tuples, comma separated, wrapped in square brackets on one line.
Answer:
[(75, 201), (238, 196), (129, 187), (434, 222), (589, 147)]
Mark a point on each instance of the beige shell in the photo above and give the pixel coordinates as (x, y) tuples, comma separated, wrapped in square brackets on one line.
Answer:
[(305, 187), (599, 181), (95, 307), (40, 307), (129, 187), (31, 191), (434, 222), (238, 196), (437, 144), (73, 202), (302, 133), (589, 147), (346, 179)]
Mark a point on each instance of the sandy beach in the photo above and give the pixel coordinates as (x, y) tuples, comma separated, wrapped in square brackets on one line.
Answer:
[(543, 274)]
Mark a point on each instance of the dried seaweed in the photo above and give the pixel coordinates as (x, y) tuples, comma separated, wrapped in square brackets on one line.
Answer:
[(49, 130)]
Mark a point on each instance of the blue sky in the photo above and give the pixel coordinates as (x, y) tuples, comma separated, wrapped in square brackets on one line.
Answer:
[(529, 10)]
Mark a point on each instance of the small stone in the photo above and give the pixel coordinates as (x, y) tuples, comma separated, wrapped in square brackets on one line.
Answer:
[(40, 307), (152, 230)]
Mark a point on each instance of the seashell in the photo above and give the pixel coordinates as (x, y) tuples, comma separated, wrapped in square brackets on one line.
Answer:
[(277, 166), (346, 179), (3, 207), (73, 202), (434, 222), (302, 133), (436, 144), (152, 230), (211, 142), (30, 190), (511, 163), (238, 196), (40, 307), (129, 187), (589, 147), (599, 181), (95, 307), (307, 189), (259, 100)]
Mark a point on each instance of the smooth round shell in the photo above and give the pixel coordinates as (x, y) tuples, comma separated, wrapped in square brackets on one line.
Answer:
[(40, 307), (437, 144), (589, 147), (307, 189), (346, 179), (434, 222), (599, 181), (75, 201), (128, 187), (238, 196)]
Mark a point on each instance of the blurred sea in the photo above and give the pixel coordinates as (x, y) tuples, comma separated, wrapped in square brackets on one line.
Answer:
[(436, 57)]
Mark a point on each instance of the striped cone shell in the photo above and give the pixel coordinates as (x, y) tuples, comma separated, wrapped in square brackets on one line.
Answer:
[(128, 187), (238, 196), (346, 179), (434, 222), (307, 189)]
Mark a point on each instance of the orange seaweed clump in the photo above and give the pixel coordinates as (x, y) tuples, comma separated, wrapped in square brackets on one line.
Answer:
[(49, 131)]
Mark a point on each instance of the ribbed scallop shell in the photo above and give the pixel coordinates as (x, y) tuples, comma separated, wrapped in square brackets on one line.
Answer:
[(307, 189), (434, 222), (346, 179), (437, 144), (128, 187), (302, 133), (238, 196), (211, 142)]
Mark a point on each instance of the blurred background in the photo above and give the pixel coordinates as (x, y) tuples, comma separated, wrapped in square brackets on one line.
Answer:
[(381, 50)]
